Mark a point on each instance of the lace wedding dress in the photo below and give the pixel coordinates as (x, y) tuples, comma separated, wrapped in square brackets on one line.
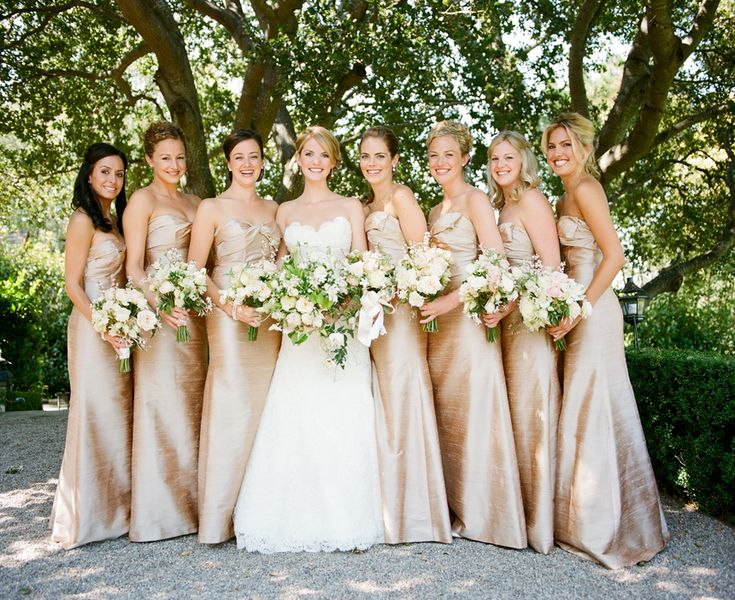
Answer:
[(312, 479)]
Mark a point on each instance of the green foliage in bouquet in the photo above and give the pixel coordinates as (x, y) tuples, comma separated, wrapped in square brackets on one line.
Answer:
[(687, 406)]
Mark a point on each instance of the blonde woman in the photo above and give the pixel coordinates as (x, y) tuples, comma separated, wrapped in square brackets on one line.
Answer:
[(236, 227), (414, 499), (169, 376), (312, 483), (475, 433), (607, 503), (528, 228)]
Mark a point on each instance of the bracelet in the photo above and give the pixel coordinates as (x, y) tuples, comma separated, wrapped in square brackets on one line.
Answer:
[(234, 311)]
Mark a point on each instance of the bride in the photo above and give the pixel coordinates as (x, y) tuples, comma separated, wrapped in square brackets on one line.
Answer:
[(312, 479)]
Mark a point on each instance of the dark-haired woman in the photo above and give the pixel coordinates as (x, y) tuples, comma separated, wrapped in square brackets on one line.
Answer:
[(238, 227), (168, 376), (93, 495), (411, 478)]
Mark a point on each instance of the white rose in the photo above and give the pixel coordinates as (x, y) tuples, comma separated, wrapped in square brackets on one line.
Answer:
[(415, 299), (166, 287), (429, 285), (304, 305), (475, 282), (121, 313), (357, 269), (146, 320), (335, 341), (293, 320), (288, 302), (320, 274), (376, 279)]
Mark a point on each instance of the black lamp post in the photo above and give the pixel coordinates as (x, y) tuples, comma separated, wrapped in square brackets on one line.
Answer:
[(633, 303)]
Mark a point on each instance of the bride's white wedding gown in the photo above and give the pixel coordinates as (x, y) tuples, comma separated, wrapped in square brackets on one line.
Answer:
[(312, 479)]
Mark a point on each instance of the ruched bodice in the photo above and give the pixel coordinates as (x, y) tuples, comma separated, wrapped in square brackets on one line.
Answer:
[(580, 251), (238, 241), (164, 232), (518, 246), (384, 234), (105, 267), (456, 233)]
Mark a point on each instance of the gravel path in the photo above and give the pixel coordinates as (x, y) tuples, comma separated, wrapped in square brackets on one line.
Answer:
[(698, 563)]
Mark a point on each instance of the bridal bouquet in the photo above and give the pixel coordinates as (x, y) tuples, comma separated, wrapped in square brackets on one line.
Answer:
[(124, 312), (489, 286), (250, 284), (422, 274), (549, 295), (307, 294), (177, 283), (370, 278)]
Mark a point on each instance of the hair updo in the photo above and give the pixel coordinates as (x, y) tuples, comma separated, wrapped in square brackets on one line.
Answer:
[(237, 136), (160, 131), (454, 130), (582, 135), (325, 139)]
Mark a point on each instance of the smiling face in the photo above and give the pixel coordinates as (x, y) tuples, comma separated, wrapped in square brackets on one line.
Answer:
[(560, 153), (446, 160), (314, 160), (376, 162), (168, 160), (506, 163), (107, 177), (246, 162)]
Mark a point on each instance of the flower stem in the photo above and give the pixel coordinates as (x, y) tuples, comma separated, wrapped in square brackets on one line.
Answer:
[(431, 327), (491, 334), (124, 365), (182, 333), (252, 333)]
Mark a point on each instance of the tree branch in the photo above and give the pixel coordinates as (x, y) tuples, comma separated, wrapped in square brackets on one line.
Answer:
[(586, 17), (231, 18), (690, 120)]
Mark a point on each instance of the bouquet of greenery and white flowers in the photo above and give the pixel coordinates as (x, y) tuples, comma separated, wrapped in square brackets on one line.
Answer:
[(549, 295), (251, 284), (370, 276), (180, 284), (124, 312), (489, 286), (422, 274)]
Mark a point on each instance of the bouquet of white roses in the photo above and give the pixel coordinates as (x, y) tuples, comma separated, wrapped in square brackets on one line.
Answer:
[(124, 312), (422, 274), (307, 292), (549, 295), (489, 286), (371, 280), (177, 283), (251, 284)]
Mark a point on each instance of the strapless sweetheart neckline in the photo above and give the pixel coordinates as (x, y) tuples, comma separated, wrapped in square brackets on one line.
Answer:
[(319, 227)]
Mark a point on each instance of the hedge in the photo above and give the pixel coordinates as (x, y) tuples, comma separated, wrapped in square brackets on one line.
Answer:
[(23, 400), (687, 406)]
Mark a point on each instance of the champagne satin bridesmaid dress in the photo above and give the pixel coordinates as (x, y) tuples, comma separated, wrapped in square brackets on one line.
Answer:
[(169, 384), (475, 432), (412, 482), (92, 499), (607, 502), (238, 378), (534, 396)]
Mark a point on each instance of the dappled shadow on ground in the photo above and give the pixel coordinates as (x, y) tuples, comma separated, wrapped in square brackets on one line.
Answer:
[(697, 563)]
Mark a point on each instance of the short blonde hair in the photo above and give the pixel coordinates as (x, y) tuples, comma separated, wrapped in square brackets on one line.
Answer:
[(529, 178), (324, 138), (454, 130), (581, 132)]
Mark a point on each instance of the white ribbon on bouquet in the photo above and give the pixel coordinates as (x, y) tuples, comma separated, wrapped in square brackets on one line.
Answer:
[(370, 318)]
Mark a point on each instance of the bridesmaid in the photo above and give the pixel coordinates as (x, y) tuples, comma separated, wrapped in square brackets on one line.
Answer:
[(239, 227), (92, 499), (528, 228), (607, 503), (475, 432), (414, 499), (168, 376)]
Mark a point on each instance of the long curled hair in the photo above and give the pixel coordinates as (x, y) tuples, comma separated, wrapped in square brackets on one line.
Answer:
[(528, 177), (389, 138), (84, 197)]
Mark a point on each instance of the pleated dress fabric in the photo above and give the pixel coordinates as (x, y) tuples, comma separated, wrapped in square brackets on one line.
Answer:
[(238, 378), (534, 395), (607, 503), (92, 499), (471, 401), (169, 384), (412, 482)]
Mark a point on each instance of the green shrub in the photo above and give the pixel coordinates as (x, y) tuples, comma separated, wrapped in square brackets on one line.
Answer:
[(687, 406), (24, 400)]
